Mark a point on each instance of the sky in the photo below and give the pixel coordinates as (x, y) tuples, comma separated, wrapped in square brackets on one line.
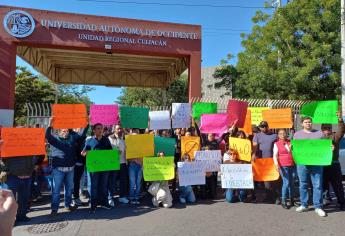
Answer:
[(221, 24)]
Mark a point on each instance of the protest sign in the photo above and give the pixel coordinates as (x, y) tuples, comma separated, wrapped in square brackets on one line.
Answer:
[(104, 114), (158, 168), (278, 118), (139, 145), (210, 159), (189, 144), (256, 113), (237, 176), (247, 128), (22, 142), (214, 123), (6, 117), (190, 173), (264, 170), (69, 116), (102, 160), (134, 117), (166, 145), (159, 120), (316, 152), (181, 115), (322, 112), (237, 110), (243, 148), (200, 108)]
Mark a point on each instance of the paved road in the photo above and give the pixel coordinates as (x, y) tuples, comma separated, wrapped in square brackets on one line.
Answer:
[(204, 218)]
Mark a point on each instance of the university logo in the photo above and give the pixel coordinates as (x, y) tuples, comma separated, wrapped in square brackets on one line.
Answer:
[(19, 24)]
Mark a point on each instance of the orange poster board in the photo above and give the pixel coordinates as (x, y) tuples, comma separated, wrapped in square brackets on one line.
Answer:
[(278, 118), (264, 170), (69, 116), (22, 142), (189, 144), (247, 128)]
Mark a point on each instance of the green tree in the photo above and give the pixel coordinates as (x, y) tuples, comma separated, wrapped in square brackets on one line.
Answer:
[(292, 53), (176, 92)]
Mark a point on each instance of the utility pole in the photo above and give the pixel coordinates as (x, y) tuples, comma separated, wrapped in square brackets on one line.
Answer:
[(342, 5), (277, 4)]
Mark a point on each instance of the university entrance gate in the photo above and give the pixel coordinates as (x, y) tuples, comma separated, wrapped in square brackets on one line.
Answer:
[(85, 49)]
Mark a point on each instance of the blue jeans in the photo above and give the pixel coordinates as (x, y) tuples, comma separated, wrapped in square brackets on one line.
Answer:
[(186, 192), (230, 195), (21, 189), (135, 176), (99, 188), (62, 178), (315, 173), (287, 174)]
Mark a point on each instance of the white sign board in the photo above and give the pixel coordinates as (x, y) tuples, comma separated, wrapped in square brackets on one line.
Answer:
[(159, 120), (210, 159), (190, 173), (237, 176), (181, 115), (6, 117)]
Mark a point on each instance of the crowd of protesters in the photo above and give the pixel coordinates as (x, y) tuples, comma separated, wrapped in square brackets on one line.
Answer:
[(65, 167)]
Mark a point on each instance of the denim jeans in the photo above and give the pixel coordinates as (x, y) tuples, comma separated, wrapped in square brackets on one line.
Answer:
[(287, 174), (135, 176), (186, 192), (62, 178), (99, 188), (21, 189), (315, 174), (230, 195)]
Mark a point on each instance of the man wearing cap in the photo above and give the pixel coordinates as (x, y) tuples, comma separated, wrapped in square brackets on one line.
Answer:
[(263, 148), (332, 173)]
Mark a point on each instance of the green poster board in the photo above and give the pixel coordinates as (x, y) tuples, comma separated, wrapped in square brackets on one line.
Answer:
[(134, 117), (322, 112), (102, 160), (200, 108), (158, 168), (316, 152), (166, 145)]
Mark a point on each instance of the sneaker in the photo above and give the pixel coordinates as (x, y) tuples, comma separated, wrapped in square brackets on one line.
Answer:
[(320, 212), (106, 206), (78, 202), (301, 209), (71, 208), (327, 201), (285, 206), (111, 202), (135, 202), (53, 213), (123, 200)]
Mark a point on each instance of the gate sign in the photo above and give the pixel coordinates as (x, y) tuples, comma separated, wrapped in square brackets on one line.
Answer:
[(19, 24)]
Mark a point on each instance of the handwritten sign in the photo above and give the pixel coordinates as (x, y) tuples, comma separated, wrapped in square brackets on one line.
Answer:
[(247, 128), (69, 116), (139, 145), (166, 145), (237, 176), (322, 112), (200, 108), (278, 118), (159, 120), (158, 168), (134, 117), (22, 142), (317, 152), (214, 123), (243, 148), (102, 160), (189, 145), (237, 110), (6, 117), (190, 173), (104, 114), (264, 170), (210, 159), (181, 115), (256, 113)]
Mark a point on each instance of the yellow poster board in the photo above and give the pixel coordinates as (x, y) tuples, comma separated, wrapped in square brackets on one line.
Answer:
[(189, 144), (243, 148), (256, 113), (139, 145)]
